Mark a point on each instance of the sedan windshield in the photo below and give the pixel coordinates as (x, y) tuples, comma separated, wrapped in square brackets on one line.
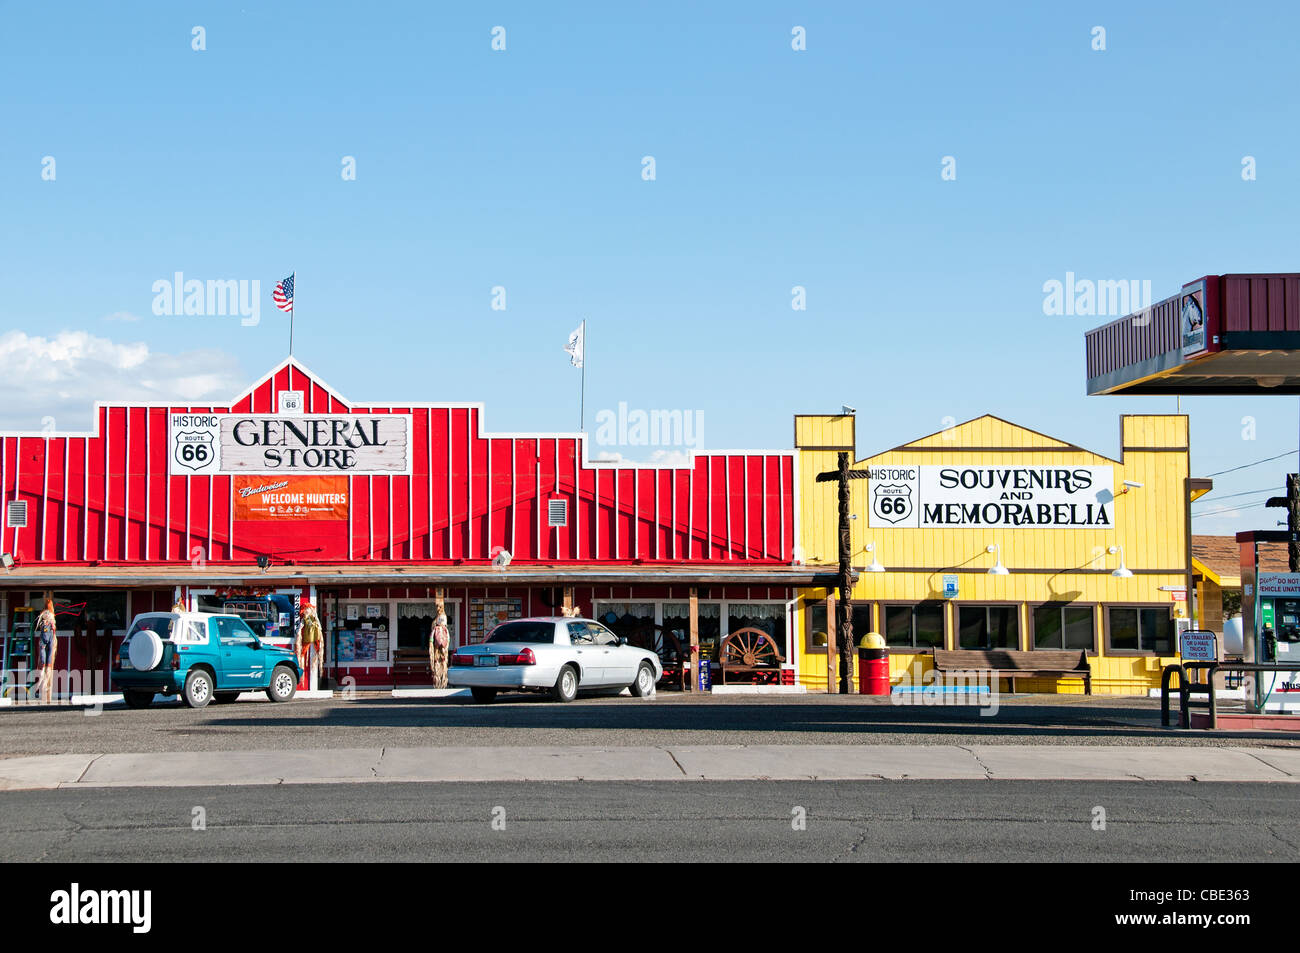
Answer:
[(524, 631)]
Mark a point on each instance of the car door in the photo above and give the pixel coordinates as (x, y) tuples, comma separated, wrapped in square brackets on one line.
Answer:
[(620, 661), (591, 657), (242, 661)]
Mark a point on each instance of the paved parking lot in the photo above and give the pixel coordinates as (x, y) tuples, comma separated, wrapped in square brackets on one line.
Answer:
[(382, 721)]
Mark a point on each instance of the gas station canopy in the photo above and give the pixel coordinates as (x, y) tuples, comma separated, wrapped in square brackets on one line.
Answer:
[(1221, 334)]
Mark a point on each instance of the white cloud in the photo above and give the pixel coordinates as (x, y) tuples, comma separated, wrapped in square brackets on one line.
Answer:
[(63, 376)]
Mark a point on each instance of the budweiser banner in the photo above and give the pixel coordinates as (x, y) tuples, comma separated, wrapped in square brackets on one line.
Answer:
[(291, 498)]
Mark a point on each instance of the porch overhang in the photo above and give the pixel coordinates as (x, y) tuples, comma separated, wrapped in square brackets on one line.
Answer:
[(111, 577)]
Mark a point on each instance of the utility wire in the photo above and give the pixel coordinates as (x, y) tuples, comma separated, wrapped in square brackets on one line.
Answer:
[(1231, 509), (1247, 466)]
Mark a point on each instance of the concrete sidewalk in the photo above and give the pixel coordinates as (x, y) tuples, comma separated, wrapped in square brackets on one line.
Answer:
[(648, 763)]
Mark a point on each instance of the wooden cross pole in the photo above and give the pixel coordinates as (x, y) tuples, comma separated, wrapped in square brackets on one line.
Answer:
[(844, 604), (1292, 504)]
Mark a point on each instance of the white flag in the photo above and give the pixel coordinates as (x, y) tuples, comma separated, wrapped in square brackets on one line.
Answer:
[(574, 347)]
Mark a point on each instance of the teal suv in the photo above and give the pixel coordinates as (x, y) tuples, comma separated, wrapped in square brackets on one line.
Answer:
[(201, 657)]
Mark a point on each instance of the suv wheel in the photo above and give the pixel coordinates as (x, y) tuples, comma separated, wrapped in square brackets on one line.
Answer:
[(198, 688), (284, 684)]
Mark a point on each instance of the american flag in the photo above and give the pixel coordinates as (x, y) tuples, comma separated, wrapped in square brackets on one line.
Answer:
[(283, 296)]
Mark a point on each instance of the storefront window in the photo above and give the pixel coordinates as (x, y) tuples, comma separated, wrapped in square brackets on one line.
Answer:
[(918, 626), (818, 631), (634, 621), (677, 620), (1058, 626), (861, 622), (363, 633), (988, 627), (270, 615), (766, 616), (79, 609), (817, 628), (415, 622), (1141, 629)]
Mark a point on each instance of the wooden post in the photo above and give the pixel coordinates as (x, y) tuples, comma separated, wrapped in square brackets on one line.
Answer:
[(568, 600), (832, 647), (1293, 520), (694, 683), (844, 607)]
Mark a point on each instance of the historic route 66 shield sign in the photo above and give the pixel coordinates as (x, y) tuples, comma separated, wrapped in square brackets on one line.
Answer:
[(891, 502), (193, 449)]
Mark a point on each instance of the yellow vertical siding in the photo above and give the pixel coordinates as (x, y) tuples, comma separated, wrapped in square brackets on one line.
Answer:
[(1150, 525)]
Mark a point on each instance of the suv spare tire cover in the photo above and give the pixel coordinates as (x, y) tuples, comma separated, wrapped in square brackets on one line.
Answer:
[(145, 651)]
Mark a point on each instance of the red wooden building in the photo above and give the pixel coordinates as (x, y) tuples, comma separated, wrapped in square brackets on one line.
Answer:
[(290, 491)]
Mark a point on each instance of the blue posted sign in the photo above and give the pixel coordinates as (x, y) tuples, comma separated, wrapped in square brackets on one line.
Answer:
[(1196, 645)]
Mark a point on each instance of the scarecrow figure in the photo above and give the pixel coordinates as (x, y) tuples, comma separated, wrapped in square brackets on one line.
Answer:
[(309, 640), (439, 640)]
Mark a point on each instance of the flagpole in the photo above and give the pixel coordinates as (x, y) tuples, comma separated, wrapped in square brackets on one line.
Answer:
[(291, 309), (582, 394)]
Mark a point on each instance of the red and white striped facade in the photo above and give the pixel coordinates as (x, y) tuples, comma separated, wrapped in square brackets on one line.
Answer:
[(107, 497)]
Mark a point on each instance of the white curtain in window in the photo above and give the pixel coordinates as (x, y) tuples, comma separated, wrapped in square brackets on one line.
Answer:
[(682, 610), (754, 610), (641, 610), (417, 610)]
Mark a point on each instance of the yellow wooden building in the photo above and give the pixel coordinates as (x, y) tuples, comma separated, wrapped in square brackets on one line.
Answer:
[(991, 535)]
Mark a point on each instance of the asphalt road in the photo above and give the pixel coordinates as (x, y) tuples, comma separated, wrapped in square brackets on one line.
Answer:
[(670, 718), (659, 821)]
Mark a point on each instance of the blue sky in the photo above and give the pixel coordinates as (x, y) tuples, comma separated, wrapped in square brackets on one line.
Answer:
[(523, 169)]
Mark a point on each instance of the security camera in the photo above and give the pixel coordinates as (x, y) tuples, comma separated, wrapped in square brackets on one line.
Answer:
[(502, 559), (847, 410)]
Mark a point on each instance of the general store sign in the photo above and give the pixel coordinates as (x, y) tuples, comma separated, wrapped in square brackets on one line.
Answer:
[(291, 498), (351, 444), (941, 496)]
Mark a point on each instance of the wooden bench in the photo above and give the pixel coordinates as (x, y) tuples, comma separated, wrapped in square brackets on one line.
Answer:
[(411, 665), (1010, 664), (751, 651)]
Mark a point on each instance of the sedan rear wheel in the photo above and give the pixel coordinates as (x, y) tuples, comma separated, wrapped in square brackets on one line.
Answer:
[(566, 686), (645, 681)]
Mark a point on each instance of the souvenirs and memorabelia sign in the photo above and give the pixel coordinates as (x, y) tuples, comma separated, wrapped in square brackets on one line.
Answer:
[(938, 496)]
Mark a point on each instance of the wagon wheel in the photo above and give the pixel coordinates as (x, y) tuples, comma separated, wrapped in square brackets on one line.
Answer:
[(751, 647)]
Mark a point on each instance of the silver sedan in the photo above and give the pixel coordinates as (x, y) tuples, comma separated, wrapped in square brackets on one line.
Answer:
[(555, 654)]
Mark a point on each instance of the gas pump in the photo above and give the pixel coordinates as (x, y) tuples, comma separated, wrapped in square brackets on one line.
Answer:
[(1278, 634), (16, 665)]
